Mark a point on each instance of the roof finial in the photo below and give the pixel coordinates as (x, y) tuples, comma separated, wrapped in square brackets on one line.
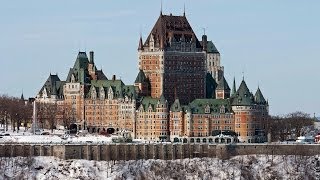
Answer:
[(243, 75), (234, 90), (204, 31), (161, 8), (184, 9)]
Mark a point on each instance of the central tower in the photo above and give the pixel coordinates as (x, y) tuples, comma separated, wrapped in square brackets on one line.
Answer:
[(173, 60)]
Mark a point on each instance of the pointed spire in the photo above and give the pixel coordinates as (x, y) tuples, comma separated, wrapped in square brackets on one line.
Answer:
[(242, 75), (223, 84), (234, 87), (141, 77), (22, 97), (243, 96), (140, 48), (259, 97), (162, 99), (161, 9), (184, 9)]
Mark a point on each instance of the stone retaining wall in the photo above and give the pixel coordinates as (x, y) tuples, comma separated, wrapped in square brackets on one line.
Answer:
[(165, 151)]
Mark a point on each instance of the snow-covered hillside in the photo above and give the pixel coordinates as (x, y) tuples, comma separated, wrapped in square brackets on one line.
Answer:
[(239, 167)]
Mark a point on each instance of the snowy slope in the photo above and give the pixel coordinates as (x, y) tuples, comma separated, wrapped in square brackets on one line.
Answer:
[(239, 167)]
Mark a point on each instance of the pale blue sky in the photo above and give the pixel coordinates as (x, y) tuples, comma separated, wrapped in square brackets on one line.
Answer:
[(275, 43)]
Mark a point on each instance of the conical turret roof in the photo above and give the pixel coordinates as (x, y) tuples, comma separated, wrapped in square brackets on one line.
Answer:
[(141, 77), (243, 96), (258, 97), (162, 99), (140, 47), (223, 84), (234, 89)]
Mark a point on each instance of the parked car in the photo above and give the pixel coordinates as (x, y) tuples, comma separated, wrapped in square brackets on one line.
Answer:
[(37, 132), (45, 133)]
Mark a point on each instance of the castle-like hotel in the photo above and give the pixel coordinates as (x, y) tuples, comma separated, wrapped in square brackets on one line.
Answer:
[(179, 92)]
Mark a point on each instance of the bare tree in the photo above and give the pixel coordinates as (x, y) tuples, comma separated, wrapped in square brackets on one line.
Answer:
[(284, 127), (51, 110), (67, 115)]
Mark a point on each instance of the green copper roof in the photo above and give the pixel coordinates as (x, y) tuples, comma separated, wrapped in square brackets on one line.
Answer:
[(80, 69), (234, 89), (81, 61), (120, 90), (53, 86), (149, 101), (243, 96), (198, 105), (258, 97), (162, 99), (141, 77), (222, 84), (211, 48), (176, 106)]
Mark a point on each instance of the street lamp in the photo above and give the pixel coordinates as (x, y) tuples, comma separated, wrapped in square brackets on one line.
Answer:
[(6, 121)]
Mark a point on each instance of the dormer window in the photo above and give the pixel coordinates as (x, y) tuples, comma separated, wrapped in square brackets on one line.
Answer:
[(73, 79), (110, 94), (207, 109), (222, 109)]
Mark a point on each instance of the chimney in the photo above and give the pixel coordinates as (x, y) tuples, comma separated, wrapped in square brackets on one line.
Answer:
[(113, 77), (204, 42), (91, 57)]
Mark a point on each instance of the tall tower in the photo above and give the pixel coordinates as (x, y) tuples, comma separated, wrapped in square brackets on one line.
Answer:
[(212, 59), (173, 58), (251, 112)]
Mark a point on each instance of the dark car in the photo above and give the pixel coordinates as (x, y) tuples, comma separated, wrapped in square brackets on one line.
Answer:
[(45, 133)]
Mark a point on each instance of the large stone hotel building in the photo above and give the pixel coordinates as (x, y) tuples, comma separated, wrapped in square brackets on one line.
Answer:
[(179, 92)]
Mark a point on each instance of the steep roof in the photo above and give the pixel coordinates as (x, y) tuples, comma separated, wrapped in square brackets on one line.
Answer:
[(100, 75), (140, 47), (198, 106), (258, 97), (82, 61), (234, 89), (118, 87), (149, 101), (53, 86), (169, 26), (176, 106), (141, 77), (210, 86), (162, 99), (243, 96), (223, 84), (211, 48), (80, 69)]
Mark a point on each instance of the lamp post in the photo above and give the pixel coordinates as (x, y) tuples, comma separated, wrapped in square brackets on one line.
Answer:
[(6, 121)]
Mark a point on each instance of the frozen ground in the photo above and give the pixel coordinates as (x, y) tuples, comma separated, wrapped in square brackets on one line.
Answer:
[(239, 167), (56, 137)]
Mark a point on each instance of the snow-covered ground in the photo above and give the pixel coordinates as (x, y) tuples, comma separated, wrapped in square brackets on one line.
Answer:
[(239, 167), (58, 136), (56, 139)]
